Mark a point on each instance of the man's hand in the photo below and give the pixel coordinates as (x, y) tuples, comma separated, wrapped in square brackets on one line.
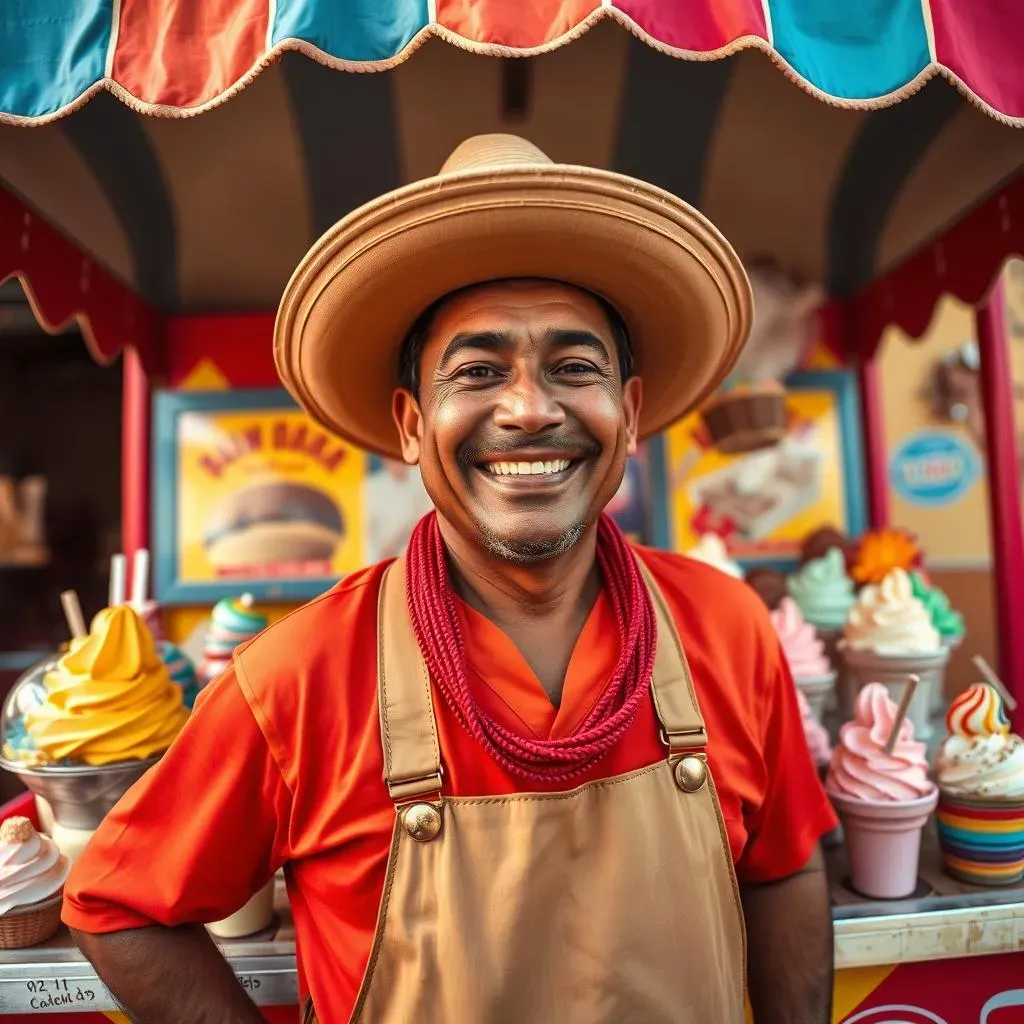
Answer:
[(169, 976), (789, 947)]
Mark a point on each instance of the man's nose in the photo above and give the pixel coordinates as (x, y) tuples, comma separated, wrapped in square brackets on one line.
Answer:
[(529, 404)]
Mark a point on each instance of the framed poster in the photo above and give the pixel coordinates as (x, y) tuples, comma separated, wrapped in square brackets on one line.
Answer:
[(764, 503), (250, 494)]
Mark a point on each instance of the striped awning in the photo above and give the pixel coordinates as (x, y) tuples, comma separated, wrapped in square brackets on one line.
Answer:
[(923, 100)]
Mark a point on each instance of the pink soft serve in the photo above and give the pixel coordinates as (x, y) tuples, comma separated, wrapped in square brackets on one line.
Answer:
[(804, 652), (861, 769)]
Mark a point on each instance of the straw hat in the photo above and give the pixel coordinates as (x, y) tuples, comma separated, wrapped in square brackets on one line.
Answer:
[(500, 208)]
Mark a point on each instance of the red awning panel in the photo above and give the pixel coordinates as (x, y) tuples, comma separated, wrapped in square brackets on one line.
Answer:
[(64, 286)]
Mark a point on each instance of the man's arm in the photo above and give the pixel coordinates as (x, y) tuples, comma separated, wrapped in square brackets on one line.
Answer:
[(789, 947), (168, 976)]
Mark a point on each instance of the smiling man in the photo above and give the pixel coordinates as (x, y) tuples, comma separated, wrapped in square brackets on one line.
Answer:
[(527, 772)]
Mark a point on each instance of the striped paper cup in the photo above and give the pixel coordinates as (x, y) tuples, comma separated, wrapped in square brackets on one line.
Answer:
[(982, 840)]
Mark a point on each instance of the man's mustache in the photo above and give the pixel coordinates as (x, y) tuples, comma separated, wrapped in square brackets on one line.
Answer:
[(474, 450)]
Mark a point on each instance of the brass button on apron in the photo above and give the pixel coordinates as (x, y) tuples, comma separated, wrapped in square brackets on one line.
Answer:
[(422, 821), (690, 773)]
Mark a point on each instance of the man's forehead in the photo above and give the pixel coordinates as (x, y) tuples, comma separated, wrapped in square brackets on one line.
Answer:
[(506, 304)]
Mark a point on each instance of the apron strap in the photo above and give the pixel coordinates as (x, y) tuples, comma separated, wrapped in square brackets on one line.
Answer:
[(682, 727), (412, 756)]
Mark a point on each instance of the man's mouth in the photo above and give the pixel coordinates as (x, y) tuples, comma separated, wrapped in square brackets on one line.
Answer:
[(545, 467)]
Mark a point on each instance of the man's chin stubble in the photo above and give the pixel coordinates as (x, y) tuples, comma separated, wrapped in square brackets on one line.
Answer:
[(531, 552)]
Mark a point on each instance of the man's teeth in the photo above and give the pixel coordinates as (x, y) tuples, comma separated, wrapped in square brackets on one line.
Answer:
[(527, 468)]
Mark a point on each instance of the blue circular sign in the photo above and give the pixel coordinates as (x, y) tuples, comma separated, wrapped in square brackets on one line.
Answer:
[(934, 467)]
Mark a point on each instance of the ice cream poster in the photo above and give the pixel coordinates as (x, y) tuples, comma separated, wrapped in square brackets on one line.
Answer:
[(249, 492), (763, 503)]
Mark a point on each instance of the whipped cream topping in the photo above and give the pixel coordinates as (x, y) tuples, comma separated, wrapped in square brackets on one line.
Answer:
[(888, 619), (980, 758), (31, 866), (711, 550), (804, 652)]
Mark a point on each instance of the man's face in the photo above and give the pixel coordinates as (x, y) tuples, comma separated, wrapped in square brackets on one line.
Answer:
[(523, 423)]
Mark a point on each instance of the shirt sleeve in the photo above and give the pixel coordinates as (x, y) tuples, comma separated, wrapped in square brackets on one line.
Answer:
[(199, 834), (795, 813)]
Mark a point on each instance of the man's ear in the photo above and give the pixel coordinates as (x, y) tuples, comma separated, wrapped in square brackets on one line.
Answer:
[(632, 402), (405, 411)]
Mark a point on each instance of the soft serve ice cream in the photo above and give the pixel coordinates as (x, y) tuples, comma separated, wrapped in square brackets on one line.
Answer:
[(888, 619), (884, 798), (980, 758), (823, 591), (948, 621), (110, 699), (32, 869), (862, 770), (233, 622), (711, 550), (980, 767), (804, 652)]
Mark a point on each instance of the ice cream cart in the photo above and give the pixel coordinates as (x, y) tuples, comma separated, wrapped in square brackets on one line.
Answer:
[(163, 173)]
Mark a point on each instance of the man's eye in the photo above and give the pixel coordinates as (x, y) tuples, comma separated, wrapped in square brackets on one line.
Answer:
[(478, 372), (576, 368)]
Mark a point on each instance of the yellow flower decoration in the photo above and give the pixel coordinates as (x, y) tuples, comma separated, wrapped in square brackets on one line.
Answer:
[(881, 551)]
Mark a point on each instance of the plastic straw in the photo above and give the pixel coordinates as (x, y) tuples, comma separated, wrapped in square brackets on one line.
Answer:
[(901, 712), (118, 580), (994, 681), (73, 613), (140, 578)]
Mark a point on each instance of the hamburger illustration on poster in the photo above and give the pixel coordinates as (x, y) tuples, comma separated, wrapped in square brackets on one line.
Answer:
[(266, 494)]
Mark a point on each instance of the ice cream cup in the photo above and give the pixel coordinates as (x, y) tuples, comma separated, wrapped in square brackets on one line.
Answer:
[(883, 842), (870, 666), (982, 841), (80, 796), (32, 924), (939, 702), (817, 690), (255, 916)]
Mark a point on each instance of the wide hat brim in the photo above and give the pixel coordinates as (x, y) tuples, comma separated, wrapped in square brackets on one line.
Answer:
[(675, 280)]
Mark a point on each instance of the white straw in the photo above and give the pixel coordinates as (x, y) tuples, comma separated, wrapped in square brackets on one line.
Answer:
[(118, 580), (73, 613), (901, 712), (994, 681), (140, 578)]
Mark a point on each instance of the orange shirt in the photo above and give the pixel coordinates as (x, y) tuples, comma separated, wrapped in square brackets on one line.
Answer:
[(281, 764)]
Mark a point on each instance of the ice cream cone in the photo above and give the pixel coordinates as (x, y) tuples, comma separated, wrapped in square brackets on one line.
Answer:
[(870, 666), (883, 842)]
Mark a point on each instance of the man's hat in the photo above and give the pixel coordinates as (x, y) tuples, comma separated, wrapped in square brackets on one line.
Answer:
[(498, 209)]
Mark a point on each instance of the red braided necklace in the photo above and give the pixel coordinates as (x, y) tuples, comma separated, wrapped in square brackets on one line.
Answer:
[(432, 607)]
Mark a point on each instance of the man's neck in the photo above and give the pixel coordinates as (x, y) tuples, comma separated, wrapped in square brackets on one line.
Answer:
[(541, 607)]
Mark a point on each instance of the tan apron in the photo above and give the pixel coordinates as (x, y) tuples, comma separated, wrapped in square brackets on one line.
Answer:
[(614, 903)]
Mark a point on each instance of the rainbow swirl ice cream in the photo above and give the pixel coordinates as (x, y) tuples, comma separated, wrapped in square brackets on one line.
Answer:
[(862, 770), (804, 652), (980, 758), (823, 591), (233, 622), (711, 550), (32, 869), (109, 699), (181, 670), (889, 620), (948, 621), (980, 768)]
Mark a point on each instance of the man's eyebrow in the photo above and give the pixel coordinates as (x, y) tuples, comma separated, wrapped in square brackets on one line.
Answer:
[(492, 341), (565, 338), (497, 341)]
